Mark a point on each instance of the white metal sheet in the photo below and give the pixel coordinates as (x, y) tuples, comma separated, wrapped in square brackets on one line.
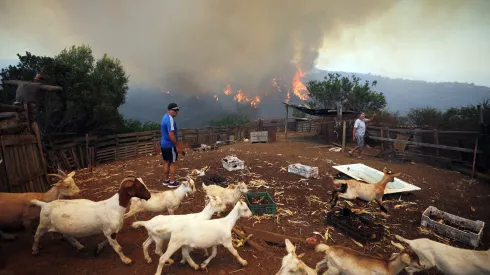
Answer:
[(365, 173)]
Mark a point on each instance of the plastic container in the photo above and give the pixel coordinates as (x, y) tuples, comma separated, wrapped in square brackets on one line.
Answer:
[(232, 163), (259, 209), (458, 228), (303, 170), (349, 223)]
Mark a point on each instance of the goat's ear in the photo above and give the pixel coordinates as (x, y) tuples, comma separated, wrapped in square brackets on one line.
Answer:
[(301, 255), (290, 248), (386, 171), (61, 172), (398, 245), (396, 175), (71, 174), (393, 256)]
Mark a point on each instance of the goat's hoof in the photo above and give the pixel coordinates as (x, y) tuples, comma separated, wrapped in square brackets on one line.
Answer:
[(148, 260), (127, 261), (183, 261), (244, 263), (170, 261), (203, 266), (35, 252)]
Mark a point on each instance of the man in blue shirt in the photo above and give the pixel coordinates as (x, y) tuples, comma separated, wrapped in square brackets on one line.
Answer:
[(170, 145)]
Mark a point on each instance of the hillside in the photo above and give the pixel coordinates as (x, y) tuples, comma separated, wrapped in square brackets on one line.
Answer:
[(401, 95)]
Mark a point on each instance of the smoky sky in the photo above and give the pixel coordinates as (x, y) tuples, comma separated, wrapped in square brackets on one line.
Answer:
[(192, 45)]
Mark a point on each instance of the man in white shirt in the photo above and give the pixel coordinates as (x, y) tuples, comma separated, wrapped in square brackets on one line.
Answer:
[(359, 131)]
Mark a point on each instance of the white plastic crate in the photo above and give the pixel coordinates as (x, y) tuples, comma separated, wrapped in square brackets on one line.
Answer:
[(463, 236), (232, 163), (303, 170)]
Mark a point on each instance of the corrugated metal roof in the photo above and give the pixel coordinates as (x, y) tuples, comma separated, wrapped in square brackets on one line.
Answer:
[(320, 112)]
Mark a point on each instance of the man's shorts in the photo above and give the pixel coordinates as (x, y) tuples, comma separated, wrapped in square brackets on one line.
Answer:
[(170, 154), (360, 141)]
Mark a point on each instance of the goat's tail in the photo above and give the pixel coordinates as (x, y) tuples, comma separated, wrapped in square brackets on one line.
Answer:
[(38, 203), (139, 224), (322, 248), (400, 238)]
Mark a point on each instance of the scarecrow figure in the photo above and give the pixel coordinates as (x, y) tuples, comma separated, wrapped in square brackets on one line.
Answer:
[(27, 91)]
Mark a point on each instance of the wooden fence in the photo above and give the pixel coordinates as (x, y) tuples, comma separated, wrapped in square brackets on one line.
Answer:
[(22, 166), (82, 152)]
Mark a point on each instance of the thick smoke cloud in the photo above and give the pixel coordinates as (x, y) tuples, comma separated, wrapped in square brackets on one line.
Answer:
[(193, 45)]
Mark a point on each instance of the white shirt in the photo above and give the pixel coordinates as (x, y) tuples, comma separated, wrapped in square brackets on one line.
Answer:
[(360, 125)]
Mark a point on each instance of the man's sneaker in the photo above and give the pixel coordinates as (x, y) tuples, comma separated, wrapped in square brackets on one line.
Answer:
[(166, 182), (173, 184)]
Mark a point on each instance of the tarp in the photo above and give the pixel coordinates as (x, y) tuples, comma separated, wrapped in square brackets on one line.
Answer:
[(320, 112), (367, 174)]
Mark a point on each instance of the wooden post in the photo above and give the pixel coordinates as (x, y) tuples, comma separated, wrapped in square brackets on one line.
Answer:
[(382, 143), (35, 129), (286, 123), (89, 161), (436, 141), (343, 135), (474, 157)]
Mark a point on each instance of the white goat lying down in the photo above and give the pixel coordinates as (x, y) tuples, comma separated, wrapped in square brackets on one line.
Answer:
[(161, 201), (16, 207), (292, 263), (353, 189), (448, 259), (81, 218), (214, 205), (346, 261), (230, 195), (202, 234)]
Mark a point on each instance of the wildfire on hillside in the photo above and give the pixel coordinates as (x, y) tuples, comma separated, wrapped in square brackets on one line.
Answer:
[(299, 89), (228, 90)]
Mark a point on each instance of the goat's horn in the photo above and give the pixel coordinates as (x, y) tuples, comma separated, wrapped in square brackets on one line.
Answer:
[(56, 176), (62, 172), (130, 178)]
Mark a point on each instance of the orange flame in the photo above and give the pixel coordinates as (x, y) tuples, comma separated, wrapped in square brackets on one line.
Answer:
[(274, 84), (255, 101), (239, 96), (228, 90), (299, 89), (288, 96)]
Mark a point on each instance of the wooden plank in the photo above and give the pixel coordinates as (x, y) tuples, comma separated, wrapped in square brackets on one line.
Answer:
[(426, 145), (9, 140), (271, 236), (474, 158), (10, 108), (436, 141), (4, 181), (343, 135)]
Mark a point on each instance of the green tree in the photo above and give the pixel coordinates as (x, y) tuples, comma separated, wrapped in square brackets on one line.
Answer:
[(232, 119), (92, 90), (350, 92), (429, 116)]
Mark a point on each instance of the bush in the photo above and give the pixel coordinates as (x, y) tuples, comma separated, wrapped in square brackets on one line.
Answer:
[(232, 119)]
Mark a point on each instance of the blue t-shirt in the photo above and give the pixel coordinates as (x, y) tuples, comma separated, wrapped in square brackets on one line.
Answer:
[(168, 125)]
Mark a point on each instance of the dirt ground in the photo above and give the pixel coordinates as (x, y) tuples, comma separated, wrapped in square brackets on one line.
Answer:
[(301, 207)]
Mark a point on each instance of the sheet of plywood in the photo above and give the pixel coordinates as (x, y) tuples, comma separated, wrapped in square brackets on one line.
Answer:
[(400, 147), (365, 173)]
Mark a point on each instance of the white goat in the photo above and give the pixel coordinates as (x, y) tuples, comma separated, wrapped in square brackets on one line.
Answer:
[(16, 209), (292, 263), (161, 201), (347, 261), (214, 205), (202, 234), (448, 259), (230, 195), (353, 189), (81, 218)]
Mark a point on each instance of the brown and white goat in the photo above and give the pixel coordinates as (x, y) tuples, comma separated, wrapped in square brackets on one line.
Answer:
[(347, 261), (83, 218), (353, 189), (17, 211), (292, 263)]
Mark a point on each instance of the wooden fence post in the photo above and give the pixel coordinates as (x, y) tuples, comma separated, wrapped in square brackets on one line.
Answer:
[(474, 157), (344, 126), (436, 140), (286, 123)]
